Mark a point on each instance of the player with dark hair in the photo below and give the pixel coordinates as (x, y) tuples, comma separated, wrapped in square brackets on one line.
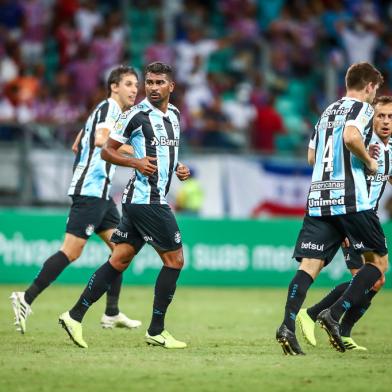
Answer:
[(382, 128), (92, 209), (153, 129), (338, 207)]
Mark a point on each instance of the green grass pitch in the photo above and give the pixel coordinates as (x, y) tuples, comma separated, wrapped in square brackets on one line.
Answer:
[(230, 332)]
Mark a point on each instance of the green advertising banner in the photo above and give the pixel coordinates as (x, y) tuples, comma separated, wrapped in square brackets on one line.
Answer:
[(217, 252)]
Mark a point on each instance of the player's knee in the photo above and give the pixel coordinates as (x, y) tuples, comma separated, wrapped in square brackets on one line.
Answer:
[(378, 285), (381, 262), (72, 254), (176, 260), (120, 264)]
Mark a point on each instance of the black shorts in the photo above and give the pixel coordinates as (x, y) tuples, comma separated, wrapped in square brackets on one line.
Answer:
[(90, 215), (321, 237), (352, 258), (148, 223)]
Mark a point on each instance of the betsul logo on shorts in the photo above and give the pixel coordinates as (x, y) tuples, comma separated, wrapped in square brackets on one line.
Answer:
[(312, 246), (89, 229), (164, 141), (121, 234), (177, 237), (359, 245)]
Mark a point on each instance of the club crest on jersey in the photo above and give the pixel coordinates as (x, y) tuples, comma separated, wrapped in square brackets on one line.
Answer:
[(177, 237), (89, 230)]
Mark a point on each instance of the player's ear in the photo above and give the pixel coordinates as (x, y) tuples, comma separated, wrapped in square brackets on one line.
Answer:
[(172, 85), (114, 87)]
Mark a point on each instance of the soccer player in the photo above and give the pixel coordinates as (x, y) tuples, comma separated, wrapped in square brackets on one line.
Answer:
[(382, 127), (338, 207), (153, 129), (92, 209)]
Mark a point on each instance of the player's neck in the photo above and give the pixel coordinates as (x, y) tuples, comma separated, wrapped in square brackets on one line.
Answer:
[(117, 99), (162, 106), (360, 95)]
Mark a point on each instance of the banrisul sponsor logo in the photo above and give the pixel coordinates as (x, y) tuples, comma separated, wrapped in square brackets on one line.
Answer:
[(312, 246), (164, 141)]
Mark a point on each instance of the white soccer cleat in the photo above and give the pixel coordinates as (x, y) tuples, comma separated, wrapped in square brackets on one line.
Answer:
[(119, 321), (21, 309)]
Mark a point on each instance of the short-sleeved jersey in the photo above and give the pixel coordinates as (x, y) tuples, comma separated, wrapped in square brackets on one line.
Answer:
[(338, 180), (92, 176), (376, 182), (155, 134)]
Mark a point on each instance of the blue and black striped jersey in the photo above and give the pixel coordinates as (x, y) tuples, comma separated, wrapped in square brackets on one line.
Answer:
[(92, 176), (155, 134), (376, 182), (338, 180)]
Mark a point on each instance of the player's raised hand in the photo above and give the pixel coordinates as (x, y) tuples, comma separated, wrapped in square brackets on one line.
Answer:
[(374, 151), (182, 172), (146, 166)]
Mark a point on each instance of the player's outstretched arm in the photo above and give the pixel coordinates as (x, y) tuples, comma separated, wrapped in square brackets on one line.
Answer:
[(110, 153), (354, 143)]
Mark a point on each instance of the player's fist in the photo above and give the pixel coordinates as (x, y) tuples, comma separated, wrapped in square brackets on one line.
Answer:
[(182, 172), (146, 166), (374, 151)]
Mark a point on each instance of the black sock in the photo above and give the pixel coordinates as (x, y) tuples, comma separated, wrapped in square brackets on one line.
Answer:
[(165, 287), (327, 301), (98, 284), (112, 297), (296, 296), (50, 270), (355, 293), (355, 313)]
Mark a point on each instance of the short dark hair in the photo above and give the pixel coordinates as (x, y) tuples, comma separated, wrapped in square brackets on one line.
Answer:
[(360, 74), (116, 75), (159, 68), (382, 100)]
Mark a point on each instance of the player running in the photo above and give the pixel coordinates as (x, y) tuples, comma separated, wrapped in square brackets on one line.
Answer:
[(92, 209), (338, 207), (382, 127), (153, 129)]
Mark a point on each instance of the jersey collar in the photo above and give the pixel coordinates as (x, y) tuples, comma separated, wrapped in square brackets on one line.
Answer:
[(379, 141), (114, 102), (152, 107), (352, 99)]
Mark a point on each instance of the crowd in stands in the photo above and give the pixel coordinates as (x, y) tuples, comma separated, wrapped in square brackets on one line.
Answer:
[(252, 75)]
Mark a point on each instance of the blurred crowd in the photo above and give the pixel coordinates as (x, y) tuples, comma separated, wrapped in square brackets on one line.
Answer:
[(251, 74)]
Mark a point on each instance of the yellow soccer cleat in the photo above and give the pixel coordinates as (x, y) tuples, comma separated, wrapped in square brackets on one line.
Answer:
[(350, 344), (73, 328), (306, 325), (164, 339)]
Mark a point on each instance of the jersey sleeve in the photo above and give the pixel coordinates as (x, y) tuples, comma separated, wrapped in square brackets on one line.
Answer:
[(128, 122), (107, 116), (361, 117), (312, 141)]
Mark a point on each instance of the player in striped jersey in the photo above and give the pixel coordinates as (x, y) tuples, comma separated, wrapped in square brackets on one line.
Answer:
[(153, 129), (338, 207), (92, 209), (380, 142)]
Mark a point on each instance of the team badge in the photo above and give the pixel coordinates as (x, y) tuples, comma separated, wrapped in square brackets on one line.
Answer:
[(177, 237), (90, 230)]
